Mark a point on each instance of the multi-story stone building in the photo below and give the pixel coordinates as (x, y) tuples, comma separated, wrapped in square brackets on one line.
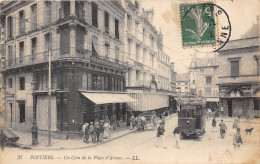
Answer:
[(182, 84), (85, 41), (173, 77), (204, 79), (239, 76), (145, 79)]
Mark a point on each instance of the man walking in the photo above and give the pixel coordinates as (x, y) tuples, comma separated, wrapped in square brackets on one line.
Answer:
[(101, 125), (160, 136), (83, 129), (237, 139), (2, 139), (177, 136), (132, 122), (154, 121), (223, 129)]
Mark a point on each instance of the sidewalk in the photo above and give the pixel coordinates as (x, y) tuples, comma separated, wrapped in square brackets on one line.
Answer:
[(25, 140), (242, 120)]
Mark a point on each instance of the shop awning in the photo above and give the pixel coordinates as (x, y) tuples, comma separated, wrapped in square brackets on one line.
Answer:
[(212, 99), (106, 98)]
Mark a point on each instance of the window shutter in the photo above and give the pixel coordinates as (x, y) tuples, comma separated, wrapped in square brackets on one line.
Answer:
[(234, 68)]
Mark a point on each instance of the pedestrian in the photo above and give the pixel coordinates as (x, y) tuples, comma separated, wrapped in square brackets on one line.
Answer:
[(223, 129), (163, 117), (132, 122), (154, 121), (83, 129), (107, 134), (237, 139), (177, 135), (214, 122), (2, 140), (160, 136), (97, 132), (138, 122), (236, 124), (92, 132), (101, 125), (86, 133)]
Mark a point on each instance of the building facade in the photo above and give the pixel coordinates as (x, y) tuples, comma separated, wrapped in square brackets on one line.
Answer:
[(182, 84), (239, 76), (204, 79), (148, 73), (85, 41)]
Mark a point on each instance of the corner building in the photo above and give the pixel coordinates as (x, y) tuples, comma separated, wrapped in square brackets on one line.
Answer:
[(86, 41)]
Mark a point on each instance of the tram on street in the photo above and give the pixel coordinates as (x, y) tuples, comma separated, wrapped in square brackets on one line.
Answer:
[(192, 116)]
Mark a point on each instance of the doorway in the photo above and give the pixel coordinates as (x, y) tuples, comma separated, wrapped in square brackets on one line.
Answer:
[(22, 112), (229, 107)]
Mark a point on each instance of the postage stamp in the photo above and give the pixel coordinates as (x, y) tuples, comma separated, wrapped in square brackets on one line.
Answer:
[(204, 26), (196, 26)]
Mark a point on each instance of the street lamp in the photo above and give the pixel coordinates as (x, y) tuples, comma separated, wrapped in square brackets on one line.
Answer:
[(34, 127)]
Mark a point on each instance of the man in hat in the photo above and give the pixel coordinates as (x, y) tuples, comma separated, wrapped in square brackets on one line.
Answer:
[(91, 132), (101, 125), (154, 121), (132, 122), (237, 139), (223, 129), (83, 129), (97, 132), (160, 136), (2, 139), (176, 133)]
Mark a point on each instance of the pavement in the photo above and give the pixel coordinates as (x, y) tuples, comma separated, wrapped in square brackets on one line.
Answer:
[(25, 140)]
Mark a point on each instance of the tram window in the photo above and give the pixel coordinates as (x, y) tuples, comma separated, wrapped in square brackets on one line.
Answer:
[(193, 113), (183, 113)]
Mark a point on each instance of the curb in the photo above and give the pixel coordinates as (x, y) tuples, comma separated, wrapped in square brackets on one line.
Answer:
[(30, 147)]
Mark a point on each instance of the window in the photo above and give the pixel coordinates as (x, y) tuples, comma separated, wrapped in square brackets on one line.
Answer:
[(186, 83), (47, 43), (152, 40), (10, 82), (201, 70), (34, 17), (136, 28), (94, 14), (106, 22), (200, 92), (137, 75), (10, 27), (117, 54), (129, 47), (22, 83), (116, 28), (107, 49), (10, 54), (215, 70), (22, 112), (94, 46), (144, 55), (129, 22), (234, 68), (21, 22), (208, 91), (144, 35), (21, 50), (47, 12), (193, 81), (34, 47), (79, 11), (208, 79), (137, 52)]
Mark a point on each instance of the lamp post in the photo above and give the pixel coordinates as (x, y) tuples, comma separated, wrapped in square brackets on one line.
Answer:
[(34, 127)]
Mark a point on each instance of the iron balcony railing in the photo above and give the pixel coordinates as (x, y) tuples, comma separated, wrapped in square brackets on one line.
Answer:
[(80, 14), (59, 54)]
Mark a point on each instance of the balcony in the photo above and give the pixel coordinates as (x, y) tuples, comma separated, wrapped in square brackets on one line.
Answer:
[(64, 14), (59, 54), (239, 79)]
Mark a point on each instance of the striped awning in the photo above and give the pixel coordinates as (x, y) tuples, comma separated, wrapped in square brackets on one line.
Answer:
[(106, 98)]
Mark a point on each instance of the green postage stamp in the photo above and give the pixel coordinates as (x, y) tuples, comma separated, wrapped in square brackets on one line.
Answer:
[(197, 24)]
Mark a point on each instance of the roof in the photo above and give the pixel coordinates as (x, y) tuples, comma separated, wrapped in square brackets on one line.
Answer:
[(182, 77), (252, 32), (205, 62)]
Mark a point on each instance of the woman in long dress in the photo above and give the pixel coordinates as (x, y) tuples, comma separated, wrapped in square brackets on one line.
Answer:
[(107, 134)]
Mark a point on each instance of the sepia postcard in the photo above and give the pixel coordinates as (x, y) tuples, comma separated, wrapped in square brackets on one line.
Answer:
[(129, 81)]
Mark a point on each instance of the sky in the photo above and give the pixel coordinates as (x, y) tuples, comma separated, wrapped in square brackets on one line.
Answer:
[(242, 15)]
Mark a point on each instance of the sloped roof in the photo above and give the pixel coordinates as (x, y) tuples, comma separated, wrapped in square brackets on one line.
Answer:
[(252, 32), (182, 77), (204, 62)]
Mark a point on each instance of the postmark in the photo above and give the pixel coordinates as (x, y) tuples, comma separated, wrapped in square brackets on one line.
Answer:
[(205, 26)]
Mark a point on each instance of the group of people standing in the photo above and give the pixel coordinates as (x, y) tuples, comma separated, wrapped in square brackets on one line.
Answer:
[(139, 122), (96, 132), (237, 138)]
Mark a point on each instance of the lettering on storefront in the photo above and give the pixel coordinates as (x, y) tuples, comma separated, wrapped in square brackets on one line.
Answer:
[(105, 62), (226, 90)]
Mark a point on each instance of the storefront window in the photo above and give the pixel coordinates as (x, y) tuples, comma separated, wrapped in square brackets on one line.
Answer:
[(89, 81)]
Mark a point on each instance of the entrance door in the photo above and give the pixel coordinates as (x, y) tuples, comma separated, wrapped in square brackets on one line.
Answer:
[(22, 112), (229, 107), (11, 114)]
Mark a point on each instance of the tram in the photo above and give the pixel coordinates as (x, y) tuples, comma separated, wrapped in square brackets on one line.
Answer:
[(192, 116)]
